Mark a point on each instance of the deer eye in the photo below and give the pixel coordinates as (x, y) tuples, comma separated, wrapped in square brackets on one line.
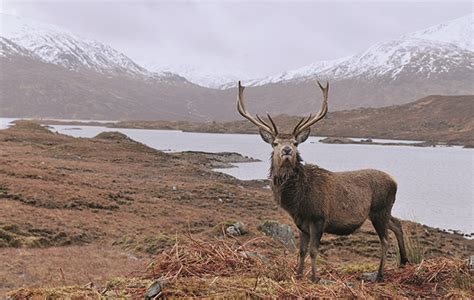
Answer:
[(274, 144), (295, 144)]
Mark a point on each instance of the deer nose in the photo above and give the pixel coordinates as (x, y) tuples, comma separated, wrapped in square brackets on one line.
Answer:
[(286, 150)]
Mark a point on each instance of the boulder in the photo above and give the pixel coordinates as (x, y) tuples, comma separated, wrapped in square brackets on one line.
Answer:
[(233, 228), (280, 232), (154, 290), (236, 228)]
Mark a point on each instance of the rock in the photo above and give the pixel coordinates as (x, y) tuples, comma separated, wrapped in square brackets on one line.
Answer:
[(236, 228), (154, 289), (231, 230), (280, 232), (248, 254), (369, 276), (326, 282), (230, 227)]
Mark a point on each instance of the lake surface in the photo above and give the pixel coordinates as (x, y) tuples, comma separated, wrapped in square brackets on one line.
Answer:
[(435, 185)]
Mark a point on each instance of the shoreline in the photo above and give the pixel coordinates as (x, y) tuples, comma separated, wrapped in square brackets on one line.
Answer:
[(185, 126)]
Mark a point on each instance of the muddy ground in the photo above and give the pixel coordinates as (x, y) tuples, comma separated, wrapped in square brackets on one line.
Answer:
[(75, 211)]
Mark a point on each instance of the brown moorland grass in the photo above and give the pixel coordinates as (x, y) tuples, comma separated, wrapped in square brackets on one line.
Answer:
[(78, 212)]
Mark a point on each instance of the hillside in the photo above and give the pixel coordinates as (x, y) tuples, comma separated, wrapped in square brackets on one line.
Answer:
[(45, 90), (134, 214)]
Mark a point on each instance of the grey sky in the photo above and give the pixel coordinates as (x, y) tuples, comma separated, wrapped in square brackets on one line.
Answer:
[(258, 38)]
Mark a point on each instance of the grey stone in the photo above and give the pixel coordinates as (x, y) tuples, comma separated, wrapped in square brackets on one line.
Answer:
[(369, 276), (280, 232), (231, 230), (236, 228), (154, 289), (326, 282), (249, 254)]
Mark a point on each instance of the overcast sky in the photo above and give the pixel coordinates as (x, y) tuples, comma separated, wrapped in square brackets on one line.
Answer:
[(257, 38)]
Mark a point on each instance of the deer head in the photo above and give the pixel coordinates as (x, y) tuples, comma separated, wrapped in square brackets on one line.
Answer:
[(284, 144)]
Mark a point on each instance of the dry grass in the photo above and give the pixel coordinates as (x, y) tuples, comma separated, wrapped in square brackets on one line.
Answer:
[(195, 257), (229, 268)]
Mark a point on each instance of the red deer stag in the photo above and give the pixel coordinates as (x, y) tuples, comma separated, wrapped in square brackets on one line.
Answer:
[(322, 201)]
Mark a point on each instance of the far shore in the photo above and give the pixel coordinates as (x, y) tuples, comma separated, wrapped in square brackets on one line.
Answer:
[(233, 128)]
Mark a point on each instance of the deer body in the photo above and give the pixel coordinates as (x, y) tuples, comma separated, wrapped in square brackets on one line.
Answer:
[(320, 201), (341, 200)]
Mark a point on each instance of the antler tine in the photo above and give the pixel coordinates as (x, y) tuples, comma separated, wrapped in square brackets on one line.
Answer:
[(271, 120), (262, 120), (320, 115), (302, 121), (273, 123), (243, 111)]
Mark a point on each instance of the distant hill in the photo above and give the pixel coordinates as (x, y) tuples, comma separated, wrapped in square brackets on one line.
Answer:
[(433, 118), (33, 88)]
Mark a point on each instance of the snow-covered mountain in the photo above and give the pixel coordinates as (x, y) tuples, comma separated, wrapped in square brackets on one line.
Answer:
[(58, 46), (437, 49), (205, 76), (458, 31), (9, 49), (438, 60)]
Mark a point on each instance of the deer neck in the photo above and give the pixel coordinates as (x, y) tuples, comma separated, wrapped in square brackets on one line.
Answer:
[(286, 179), (283, 174)]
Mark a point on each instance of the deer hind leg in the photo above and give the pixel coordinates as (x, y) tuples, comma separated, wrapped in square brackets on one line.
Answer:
[(380, 223), (304, 241), (315, 233), (395, 226)]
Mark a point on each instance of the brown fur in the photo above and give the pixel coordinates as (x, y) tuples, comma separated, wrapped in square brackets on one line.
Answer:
[(322, 201)]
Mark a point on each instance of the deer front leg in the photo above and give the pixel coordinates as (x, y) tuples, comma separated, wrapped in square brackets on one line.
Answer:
[(304, 241), (315, 234)]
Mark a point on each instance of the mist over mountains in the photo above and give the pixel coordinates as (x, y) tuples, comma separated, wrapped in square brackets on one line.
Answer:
[(49, 72)]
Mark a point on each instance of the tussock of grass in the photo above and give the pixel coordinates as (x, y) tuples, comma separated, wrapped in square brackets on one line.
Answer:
[(151, 244), (414, 248)]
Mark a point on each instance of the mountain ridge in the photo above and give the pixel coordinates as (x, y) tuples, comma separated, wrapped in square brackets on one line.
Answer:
[(388, 73), (53, 44), (450, 37)]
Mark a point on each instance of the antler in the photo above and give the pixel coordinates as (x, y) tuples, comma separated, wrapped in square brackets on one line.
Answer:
[(258, 122), (310, 120)]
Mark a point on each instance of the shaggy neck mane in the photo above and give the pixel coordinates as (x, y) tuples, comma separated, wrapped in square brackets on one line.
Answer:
[(283, 173)]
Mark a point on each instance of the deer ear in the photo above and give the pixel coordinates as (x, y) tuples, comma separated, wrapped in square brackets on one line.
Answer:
[(303, 135), (266, 136)]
